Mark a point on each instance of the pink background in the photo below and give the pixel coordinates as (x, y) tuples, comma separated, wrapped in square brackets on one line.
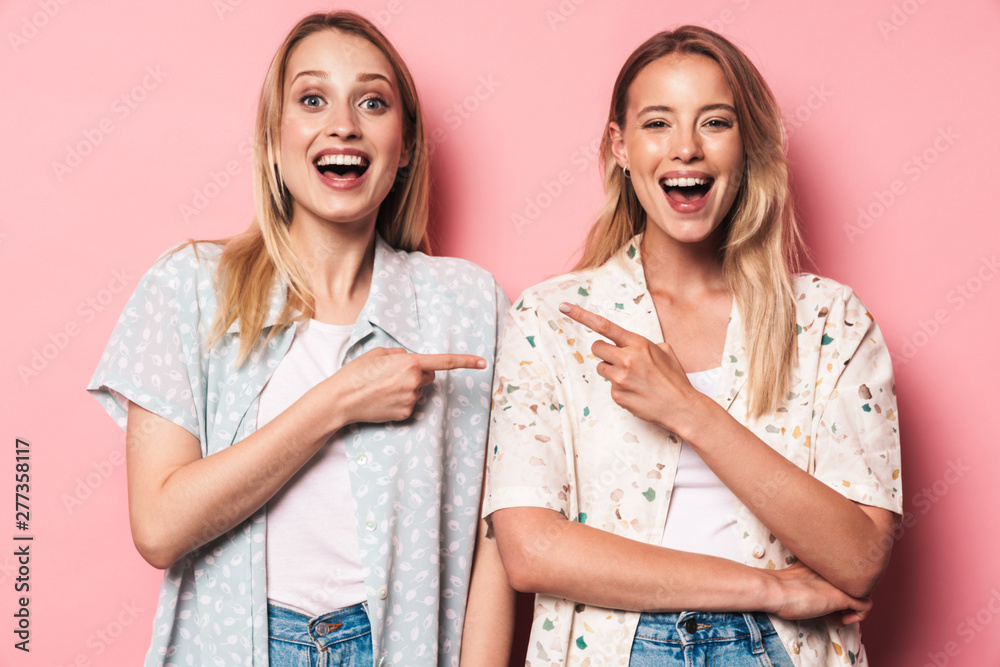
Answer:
[(892, 108)]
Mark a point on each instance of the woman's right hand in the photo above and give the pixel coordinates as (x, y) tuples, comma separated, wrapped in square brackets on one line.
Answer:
[(384, 384), (179, 500), (801, 593)]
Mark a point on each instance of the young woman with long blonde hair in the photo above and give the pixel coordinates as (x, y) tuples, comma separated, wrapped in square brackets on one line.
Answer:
[(694, 454), (306, 402)]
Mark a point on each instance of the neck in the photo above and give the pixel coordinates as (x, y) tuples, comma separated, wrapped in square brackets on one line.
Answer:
[(684, 271), (338, 260)]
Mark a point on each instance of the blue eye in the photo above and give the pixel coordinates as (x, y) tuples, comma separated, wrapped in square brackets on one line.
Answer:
[(373, 103), (311, 100)]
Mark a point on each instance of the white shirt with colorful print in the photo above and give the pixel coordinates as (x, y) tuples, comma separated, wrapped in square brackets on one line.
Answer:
[(559, 441)]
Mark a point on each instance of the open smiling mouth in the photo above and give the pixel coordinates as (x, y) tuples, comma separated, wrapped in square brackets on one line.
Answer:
[(342, 167), (686, 189)]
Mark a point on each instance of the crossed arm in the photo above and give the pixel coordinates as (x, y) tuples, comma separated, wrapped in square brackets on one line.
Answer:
[(842, 547)]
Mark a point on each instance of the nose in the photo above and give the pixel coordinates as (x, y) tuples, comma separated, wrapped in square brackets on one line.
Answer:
[(342, 122), (685, 145)]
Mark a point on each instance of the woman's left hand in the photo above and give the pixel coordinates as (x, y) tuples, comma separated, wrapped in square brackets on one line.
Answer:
[(646, 378)]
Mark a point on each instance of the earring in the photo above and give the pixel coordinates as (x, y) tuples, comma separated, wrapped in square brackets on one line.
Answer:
[(627, 173)]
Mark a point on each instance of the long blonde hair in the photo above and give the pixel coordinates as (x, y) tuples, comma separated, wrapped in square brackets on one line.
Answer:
[(253, 260), (760, 253)]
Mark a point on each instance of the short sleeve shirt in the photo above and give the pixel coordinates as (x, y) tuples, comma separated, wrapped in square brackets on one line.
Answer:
[(416, 483), (559, 441)]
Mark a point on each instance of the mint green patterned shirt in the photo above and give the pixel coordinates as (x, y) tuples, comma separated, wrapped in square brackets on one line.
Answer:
[(417, 481)]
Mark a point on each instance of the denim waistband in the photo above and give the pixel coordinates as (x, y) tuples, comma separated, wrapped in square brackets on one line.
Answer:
[(693, 627), (319, 631)]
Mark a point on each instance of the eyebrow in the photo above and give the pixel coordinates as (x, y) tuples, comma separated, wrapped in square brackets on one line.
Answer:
[(709, 107), (363, 77)]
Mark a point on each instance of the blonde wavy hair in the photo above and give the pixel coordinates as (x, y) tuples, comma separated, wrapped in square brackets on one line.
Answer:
[(762, 244), (252, 261)]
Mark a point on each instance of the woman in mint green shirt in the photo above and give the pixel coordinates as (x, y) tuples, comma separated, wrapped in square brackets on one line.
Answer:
[(340, 178)]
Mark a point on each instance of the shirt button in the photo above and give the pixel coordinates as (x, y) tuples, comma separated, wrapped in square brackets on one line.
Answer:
[(362, 459), (758, 551), (382, 593), (794, 646), (370, 525), (322, 629)]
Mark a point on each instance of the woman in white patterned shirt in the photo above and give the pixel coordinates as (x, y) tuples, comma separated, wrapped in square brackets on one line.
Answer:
[(693, 455)]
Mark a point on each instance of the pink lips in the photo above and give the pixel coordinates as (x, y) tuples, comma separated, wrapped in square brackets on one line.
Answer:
[(335, 182), (694, 205)]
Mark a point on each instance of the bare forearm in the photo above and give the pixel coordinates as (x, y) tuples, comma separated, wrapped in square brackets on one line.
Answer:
[(827, 531), (550, 555), (489, 616), (205, 497)]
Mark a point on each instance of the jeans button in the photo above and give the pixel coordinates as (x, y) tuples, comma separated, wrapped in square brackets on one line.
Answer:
[(322, 629), (691, 625)]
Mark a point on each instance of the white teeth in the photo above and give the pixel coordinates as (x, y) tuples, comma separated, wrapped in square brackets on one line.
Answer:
[(340, 158), (684, 182)]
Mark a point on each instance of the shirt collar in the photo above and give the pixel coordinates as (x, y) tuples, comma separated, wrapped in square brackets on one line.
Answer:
[(622, 290), (391, 304), (625, 283)]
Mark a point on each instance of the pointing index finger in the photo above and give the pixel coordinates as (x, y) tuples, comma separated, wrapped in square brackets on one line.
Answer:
[(448, 362), (600, 325)]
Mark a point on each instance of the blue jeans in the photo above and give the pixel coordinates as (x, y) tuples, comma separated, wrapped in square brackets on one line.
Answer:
[(341, 638), (699, 639)]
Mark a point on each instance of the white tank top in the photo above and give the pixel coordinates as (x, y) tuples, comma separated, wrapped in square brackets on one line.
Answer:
[(313, 555), (701, 518)]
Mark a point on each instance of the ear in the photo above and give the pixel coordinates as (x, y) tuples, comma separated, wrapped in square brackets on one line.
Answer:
[(406, 153), (618, 145)]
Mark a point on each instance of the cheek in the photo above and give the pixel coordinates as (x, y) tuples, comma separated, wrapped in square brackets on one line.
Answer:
[(296, 135)]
